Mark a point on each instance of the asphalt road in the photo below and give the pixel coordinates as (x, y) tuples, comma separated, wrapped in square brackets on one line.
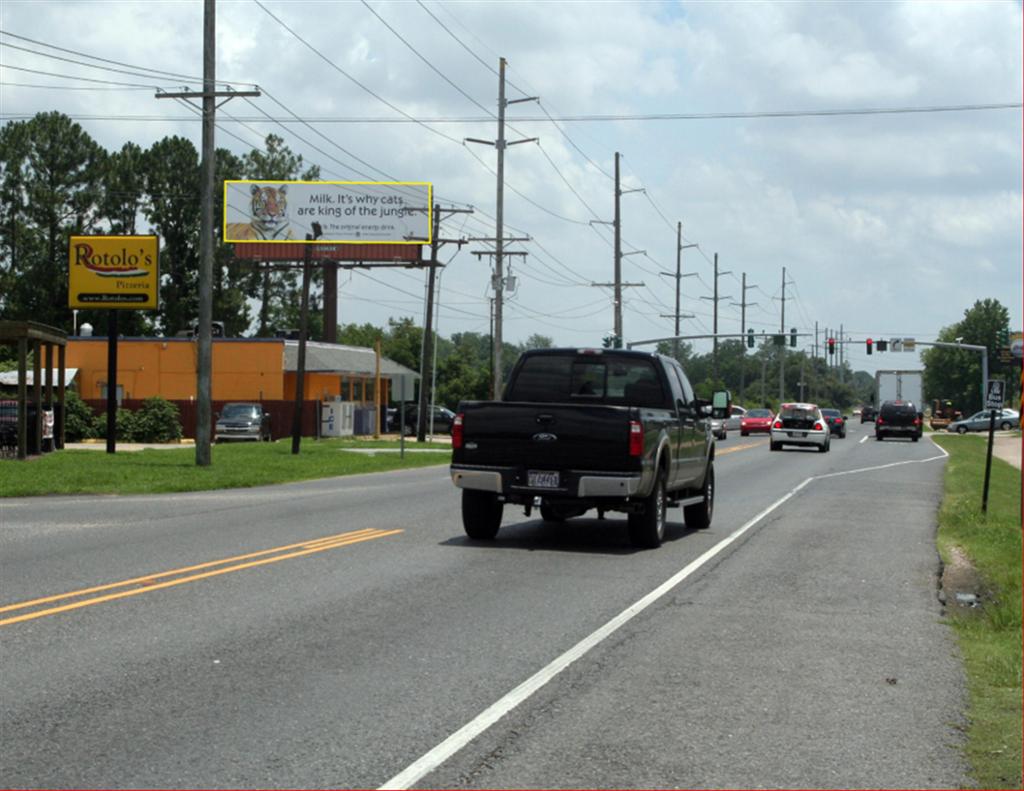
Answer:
[(345, 633)]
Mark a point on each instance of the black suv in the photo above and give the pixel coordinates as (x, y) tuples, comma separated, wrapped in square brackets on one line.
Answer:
[(867, 414), (898, 419)]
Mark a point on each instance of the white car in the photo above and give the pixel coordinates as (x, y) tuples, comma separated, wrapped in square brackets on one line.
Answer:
[(802, 425), (732, 423)]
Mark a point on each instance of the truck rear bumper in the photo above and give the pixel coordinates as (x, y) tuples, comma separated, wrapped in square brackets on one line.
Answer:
[(510, 481), (483, 480)]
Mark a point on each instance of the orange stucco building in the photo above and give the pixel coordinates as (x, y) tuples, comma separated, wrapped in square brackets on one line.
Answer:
[(243, 369)]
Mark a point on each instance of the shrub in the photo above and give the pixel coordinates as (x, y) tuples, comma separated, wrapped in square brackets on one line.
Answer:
[(157, 420), (78, 418)]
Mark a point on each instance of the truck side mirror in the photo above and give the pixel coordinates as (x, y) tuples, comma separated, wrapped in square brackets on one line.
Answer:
[(721, 404)]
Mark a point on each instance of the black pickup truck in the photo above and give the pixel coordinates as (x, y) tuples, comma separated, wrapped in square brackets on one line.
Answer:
[(580, 429)]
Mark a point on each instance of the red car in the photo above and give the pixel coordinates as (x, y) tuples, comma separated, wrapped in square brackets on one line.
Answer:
[(756, 421)]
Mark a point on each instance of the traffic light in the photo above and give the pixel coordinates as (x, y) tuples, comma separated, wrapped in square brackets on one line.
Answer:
[(750, 339), (868, 344), (1004, 336), (792, 337), (831, 345), (883, 344)]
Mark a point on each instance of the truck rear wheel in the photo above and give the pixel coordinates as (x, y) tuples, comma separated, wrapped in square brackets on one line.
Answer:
[(647, 530), (698, 516), (481, 514)]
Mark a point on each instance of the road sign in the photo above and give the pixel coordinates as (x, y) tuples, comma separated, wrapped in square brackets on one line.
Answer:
[(994, 392), (909, 344)]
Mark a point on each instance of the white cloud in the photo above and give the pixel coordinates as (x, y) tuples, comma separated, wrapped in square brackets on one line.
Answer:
[(840, 202)]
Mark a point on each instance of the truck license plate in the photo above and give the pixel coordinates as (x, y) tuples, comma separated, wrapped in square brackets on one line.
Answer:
[(540, 479)]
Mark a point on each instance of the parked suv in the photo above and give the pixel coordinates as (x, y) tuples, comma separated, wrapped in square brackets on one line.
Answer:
[(242, 420), (898, 419)]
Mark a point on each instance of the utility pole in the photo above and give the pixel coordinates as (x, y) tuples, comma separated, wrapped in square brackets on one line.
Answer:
[(679, 276), (743, 332), (782, 349), (617, 226), (204, 351), (426, 363), (842, 353), (500, 144), (716, 298)]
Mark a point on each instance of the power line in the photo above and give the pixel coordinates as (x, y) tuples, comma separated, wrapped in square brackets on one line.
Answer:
[(430, 65), (349, 77), (426, 121), (160, 72)]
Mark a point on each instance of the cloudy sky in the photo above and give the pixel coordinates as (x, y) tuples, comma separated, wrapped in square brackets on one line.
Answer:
[(726, 116)]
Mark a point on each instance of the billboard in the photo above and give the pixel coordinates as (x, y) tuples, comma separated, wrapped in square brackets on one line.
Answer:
[(356, 212), (120, 272)]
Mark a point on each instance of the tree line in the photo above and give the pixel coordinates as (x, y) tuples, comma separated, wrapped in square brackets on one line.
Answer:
[(56, 182)]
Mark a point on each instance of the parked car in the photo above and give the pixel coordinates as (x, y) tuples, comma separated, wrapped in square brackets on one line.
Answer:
[(836, 422), (801, 425), (1005, 420), (867, 414), (756, 421), (899, 419), (242, 420), (443, 419)]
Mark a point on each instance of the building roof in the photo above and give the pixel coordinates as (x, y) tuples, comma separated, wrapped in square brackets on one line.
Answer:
[(334, 357), (10, 378)]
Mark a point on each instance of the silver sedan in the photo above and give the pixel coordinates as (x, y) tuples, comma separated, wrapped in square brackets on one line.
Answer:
[(1005, 420)]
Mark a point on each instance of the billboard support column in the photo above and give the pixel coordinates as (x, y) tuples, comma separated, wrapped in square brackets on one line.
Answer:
[(300, 373), (111, 381)]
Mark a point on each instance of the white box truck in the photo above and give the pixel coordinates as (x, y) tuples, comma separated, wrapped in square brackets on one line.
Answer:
[(899, 386)]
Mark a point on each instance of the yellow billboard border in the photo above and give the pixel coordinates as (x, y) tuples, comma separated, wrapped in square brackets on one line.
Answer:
[(104, 306), (430, 210)]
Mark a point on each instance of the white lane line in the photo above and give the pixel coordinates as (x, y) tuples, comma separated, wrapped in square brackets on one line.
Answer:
[(443, 751), (432, 759), (863, 439)]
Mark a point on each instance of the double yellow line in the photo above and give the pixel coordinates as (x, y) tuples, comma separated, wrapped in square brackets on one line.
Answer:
[(168, 579)]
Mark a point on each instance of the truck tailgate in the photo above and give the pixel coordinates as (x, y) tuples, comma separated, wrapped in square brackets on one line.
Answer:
[(547, 436)]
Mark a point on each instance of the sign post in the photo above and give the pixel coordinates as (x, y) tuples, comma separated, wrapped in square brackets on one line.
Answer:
[(116, 273), (994, 392)]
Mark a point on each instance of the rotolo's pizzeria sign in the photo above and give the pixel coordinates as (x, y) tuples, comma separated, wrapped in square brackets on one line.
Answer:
[(114, 272)]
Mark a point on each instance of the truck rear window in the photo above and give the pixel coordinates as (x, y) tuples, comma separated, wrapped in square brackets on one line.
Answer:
[(553, 378)]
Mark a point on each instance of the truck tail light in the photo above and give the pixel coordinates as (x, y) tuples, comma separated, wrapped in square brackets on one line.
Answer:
[(457, 431), (817, 427), (777, 424), (636, 438), (917, 421)]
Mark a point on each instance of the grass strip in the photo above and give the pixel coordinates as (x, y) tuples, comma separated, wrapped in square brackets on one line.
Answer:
[(990, 639), (241, 465)]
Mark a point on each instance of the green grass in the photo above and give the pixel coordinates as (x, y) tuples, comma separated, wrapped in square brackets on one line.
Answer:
[(991, 640), (175, 470)]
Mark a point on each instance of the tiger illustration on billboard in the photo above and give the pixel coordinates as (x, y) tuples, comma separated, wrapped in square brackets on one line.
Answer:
[(269, 213)]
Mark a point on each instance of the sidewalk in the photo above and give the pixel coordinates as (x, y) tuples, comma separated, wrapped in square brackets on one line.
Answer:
[(1007, 448)]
